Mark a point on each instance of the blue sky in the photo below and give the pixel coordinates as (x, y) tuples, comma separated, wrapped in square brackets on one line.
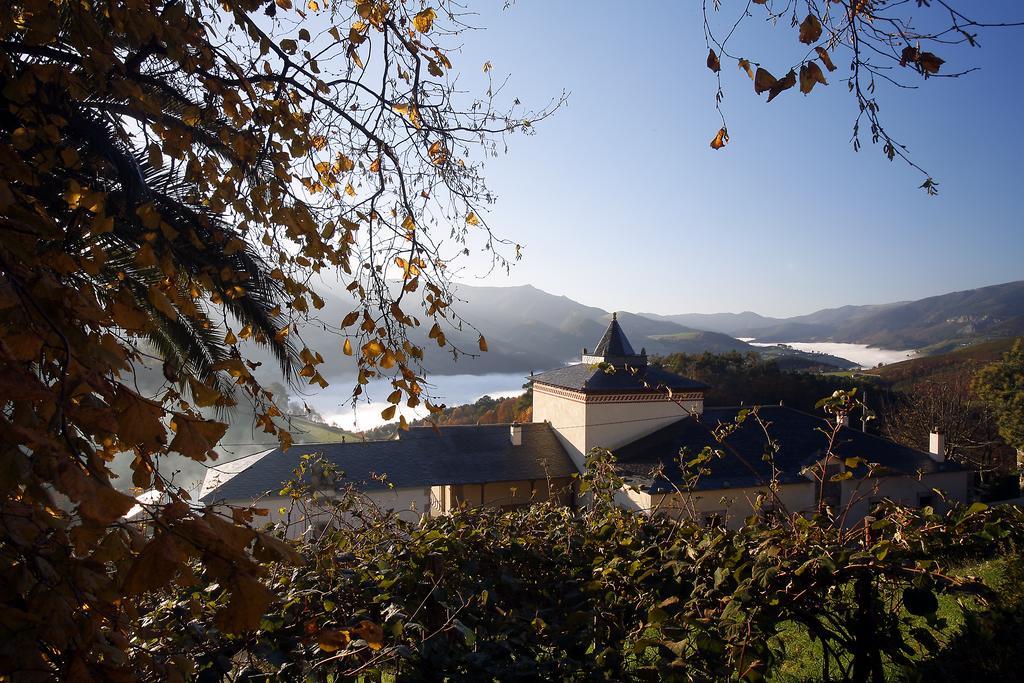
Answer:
[(621, 203)]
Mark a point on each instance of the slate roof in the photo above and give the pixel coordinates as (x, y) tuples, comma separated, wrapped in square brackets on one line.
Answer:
[(420, 457), (614, 342), (590, 378), (795, 431)]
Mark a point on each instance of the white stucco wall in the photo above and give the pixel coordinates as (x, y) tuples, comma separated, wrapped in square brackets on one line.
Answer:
[(583, 423), (505, 494), (733, 505), (409, 503), (567, 417), (904, 490)]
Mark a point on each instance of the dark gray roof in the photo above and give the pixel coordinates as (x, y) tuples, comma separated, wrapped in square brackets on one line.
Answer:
[(420, 457), (613, 347), (796, 432), (587, 377), (614, 342)]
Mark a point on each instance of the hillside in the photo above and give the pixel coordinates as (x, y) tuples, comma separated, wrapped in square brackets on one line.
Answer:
[(933, 325), (945, 367)]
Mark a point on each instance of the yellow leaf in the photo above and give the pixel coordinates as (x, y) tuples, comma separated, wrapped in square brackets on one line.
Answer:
[(230, 337), (372, 349), (487, 67), (409, 223), (202, 395), (721, 139), (745, 65), (810, 29), (472, 219), (375, 165), (349, 190), (713, 62), (424, 20), (372, 633), (343, 163), (332, 639), (388, 412)]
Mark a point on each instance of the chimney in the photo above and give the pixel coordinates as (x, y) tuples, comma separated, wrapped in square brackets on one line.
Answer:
[(937, 446), (516, 434)]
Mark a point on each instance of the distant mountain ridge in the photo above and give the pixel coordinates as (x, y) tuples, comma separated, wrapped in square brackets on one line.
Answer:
[(528, 329), (944, 321)]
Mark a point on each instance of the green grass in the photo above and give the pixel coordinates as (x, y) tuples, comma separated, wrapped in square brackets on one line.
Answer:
[(803, 657)]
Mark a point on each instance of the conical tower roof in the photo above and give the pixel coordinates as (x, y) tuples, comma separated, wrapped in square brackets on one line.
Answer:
[(614, 348), (614, 341)]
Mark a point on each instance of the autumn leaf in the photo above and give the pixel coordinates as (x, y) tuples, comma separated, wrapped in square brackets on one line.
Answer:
[(785, 83), (825, 58), (721, 139), (346, 348), (930, 63), (155, 566), (713, 62), (763, 81), (810, 74), (472, 219), (482, 343), (194, 437), (333, 639), (388, 412), (371, 632), (810, 29), (249, 601), (745, 65), (424, 20), (156, 157), (202, 395), (139, 421)]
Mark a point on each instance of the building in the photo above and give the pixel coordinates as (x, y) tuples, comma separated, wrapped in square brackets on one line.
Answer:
[(651, 419)]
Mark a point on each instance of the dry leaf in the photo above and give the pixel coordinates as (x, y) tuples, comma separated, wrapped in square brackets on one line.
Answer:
[(713, 62), (721, 139), (763, 81), (810, 73), (810, 29), (782, 84), (745, 65), (825, 59)]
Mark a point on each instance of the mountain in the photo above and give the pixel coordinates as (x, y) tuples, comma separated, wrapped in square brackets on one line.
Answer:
[(936, 323), (528, 329), (734, 324)]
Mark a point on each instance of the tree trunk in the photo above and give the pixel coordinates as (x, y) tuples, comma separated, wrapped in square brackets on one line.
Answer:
[(867, 658)]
